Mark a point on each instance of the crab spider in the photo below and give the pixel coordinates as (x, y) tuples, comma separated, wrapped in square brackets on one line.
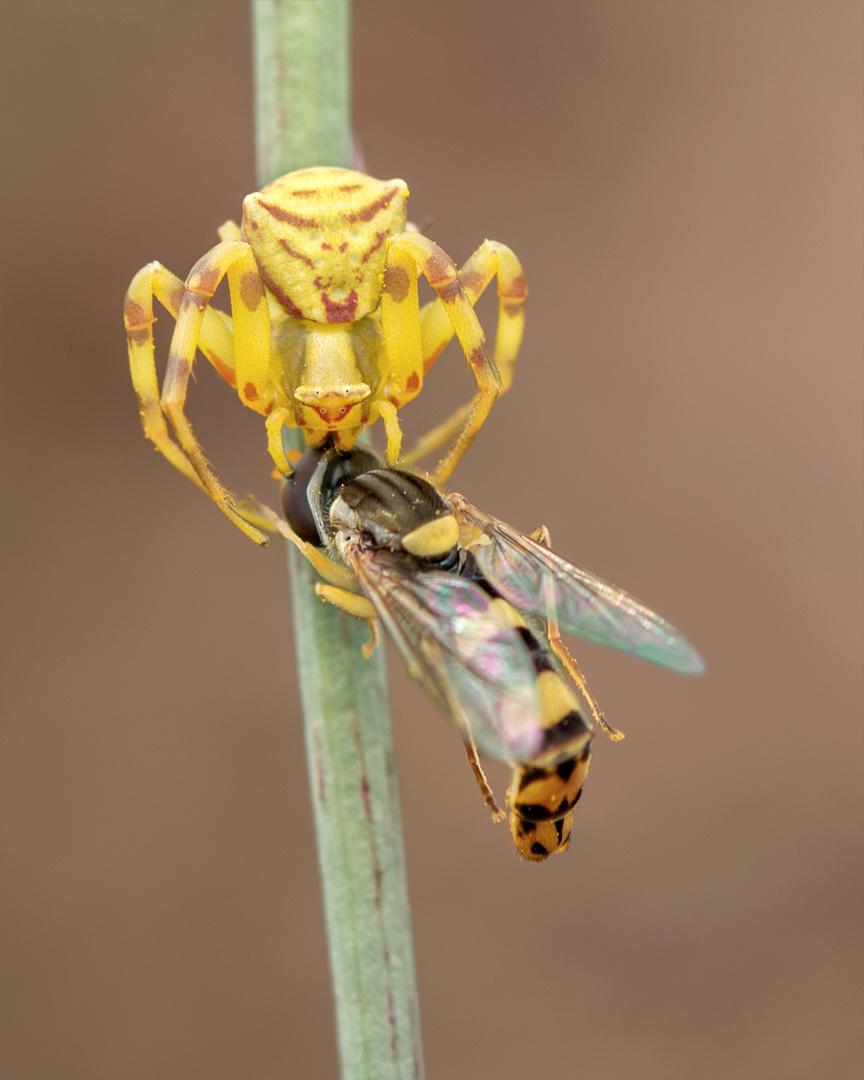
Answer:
[(326, 332)]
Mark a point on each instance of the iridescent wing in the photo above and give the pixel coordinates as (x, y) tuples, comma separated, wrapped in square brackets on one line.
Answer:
[(457, 642), (536, 580)]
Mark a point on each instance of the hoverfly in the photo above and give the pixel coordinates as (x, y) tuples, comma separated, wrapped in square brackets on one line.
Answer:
[(475, 609)]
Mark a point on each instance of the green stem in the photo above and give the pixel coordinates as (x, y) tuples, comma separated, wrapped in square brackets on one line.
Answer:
[(302, 87), (302, 119)]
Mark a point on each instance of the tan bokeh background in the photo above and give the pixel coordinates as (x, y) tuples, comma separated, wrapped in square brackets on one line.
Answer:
[(683, 184)]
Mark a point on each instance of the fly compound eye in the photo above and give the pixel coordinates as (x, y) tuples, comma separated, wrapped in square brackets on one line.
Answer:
[(295, 498), (318, 478)]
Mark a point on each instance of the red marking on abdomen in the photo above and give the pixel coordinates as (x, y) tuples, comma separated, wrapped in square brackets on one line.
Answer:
[(295, 254), (369, 212), (380, 237), (340, 312), (283, 297), (281, 214)]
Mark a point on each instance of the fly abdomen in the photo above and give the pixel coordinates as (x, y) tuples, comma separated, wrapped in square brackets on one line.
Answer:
[(540, 657), (542, 796), (547, 794), (536, 841), (566, 733), (541, 806)]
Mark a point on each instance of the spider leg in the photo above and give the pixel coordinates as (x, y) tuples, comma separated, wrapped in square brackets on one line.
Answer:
[(407, 254), (279, 418), (491, 259), (353, 604), (387, 411), (334, 573), (215, 341), (251, 326), (350, 602)]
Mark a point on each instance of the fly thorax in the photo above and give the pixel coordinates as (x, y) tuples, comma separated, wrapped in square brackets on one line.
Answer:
[(435, 540), (399, 512)]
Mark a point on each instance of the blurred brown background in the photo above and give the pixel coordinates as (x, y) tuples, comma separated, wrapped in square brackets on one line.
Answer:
[(683, 184)]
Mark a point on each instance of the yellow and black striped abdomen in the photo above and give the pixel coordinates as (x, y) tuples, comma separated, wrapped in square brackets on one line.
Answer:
[(537, 832), (542, 795)]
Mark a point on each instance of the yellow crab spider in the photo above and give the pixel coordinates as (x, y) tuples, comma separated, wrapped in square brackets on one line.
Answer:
[(326, 332)]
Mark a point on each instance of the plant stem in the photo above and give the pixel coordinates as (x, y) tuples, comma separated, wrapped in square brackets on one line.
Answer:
[(302, 119), (302, 85)]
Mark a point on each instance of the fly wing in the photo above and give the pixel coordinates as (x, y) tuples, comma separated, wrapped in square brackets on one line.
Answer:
[(462, 649), (536, 580)]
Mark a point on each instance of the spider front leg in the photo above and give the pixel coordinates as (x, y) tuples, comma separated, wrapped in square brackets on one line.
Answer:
[(407, 254), (215, 341), (335, 574), (251, 326), (491, 259)]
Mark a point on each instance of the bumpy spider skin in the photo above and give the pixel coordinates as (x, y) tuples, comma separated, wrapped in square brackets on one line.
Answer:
[(326, 333)]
